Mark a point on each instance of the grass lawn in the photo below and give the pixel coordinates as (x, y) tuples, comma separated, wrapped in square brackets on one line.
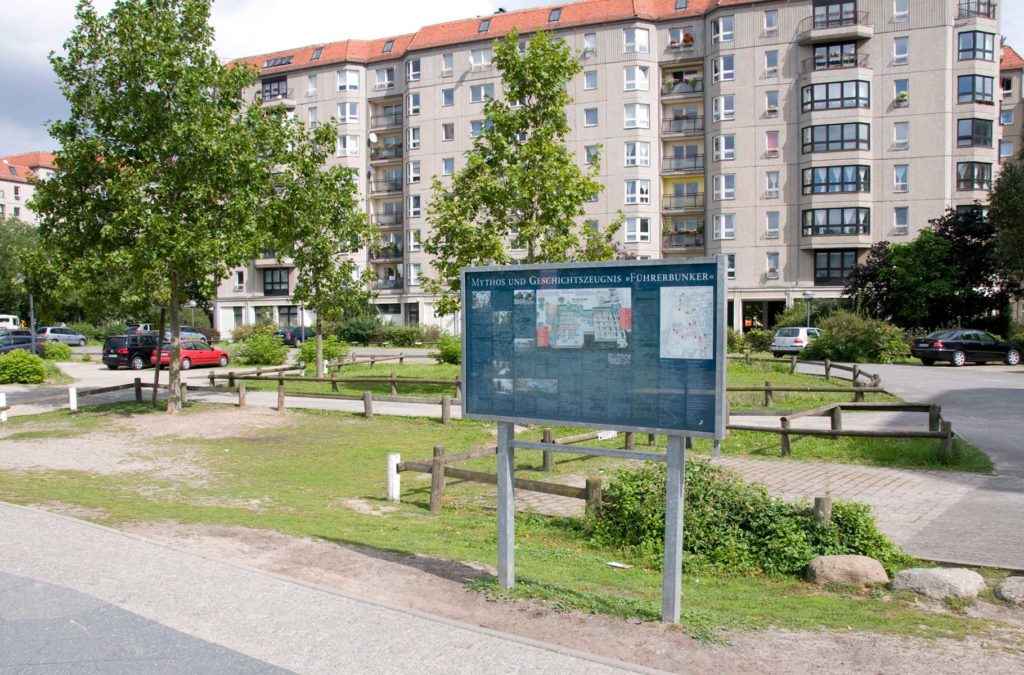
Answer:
[(300, 474), (54, 375)]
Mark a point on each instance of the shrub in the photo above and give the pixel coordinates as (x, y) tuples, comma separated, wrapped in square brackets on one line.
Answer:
[(401, 336), (262, 349), (20, 367), (796, 314), (87, 329), (109, 329), (431, 333), (86, 358), (846, 336), (56, 351), (333, 348), (733, 526), (1015, 335), (244, 332), (360, 330), (734, 341), (449, 350), (758, 340), (211, 334)]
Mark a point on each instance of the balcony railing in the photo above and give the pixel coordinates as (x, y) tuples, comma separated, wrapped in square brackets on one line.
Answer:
[(694, 201), (386, 121), (678, 87), (388, 218), (985, 9), (682, 47), (276, 292), (839, 19), (387, 152), (689, 240), (385, 186), (835, 230), (388, 284), (686, 126), (688, 164), (387, 251), (833, 62)]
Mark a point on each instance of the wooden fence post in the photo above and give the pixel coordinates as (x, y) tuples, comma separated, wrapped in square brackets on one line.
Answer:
[(184, 393), (72, 399), (458, 386), (241, 394), (747, 353), (213, 381), (394, 478), (373, 361), (231, 380), (595, 490), (651, 439), (138, 389), (856, 373), (437, 479), (823, 510), (334, 383), (280, 394), (785, 437), (394, 384), (934, 416), (828, 370), (259, 371), (858, 391), (549, 455), (401, 359), (769, 395), (837, 419), (947, 438), (446, 409), (368, 404), (630, 440)]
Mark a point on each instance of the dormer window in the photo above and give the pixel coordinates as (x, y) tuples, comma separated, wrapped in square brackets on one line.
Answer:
[(485, 25), (388, 46), (555, 15), (278, 61), (316, 54), (682, 4)]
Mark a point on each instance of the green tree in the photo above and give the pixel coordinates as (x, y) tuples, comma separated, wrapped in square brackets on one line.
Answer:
[(1007, 213), (164, 171), (319, 223), (520, 187), (18, 240)]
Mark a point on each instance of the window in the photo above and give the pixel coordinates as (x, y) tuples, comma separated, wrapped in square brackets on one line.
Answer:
[(447, 97), (316, 54), (900, 135), (638, 153), (239, 279), (485, 25), (479, 92), (412, 70), (414, 274), (638, 192), (590, 43), (771, 261), (638, 116), (723, 226), (974, 133), (413, 101), (414, 138), (635, 41), (771, 143), (415, 240), (976, 45), (836, 95), (274, 88), (1006, 117), (901, 178), (555, 15), (830, 179), (771, 21), (447, 64), (730, 266), (900, 220), (723, 147), (900, 51), (415, 206), (480, 59), (832, 267), (722, 30), (311, 85), (278, 61), (638, 229), (385, 78), (840, 55), (724, 187), (590, 117), (974, 89), (388, 46), (771, 187), (837, 137), (414, 172), (448, 131), (476, 128), (771, 103), (1006, 84), (771, 224), (1005, 149), (348, 112), (723, 108), (591, 153), (637, 78), (837, 221), (901, 93), (590, 80), (900, 10), (348, 146), (771, 63), (314, 116), (448, 166), (973, 176), (275, 281), (723, 68), (682, 4)]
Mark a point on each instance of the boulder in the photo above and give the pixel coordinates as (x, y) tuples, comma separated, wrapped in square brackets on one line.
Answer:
[(846, 569), (940, 582), (1011, 589)]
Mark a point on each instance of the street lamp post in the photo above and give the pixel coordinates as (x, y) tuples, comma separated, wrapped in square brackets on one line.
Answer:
[(808, 296), (31, 315)]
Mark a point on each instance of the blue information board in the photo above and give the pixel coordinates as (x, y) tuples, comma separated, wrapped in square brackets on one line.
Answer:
[(631, 346)]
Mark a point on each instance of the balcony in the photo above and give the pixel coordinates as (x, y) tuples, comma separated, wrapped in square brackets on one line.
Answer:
[(687, 126), (683, 165), (388, 284), (836, 61), (834, 27), (391, 250), (970, 9), (275, 292), (389, 186), (692, 202), (394, 219), (836, 230), (681, 51), (388, 153), (386, 121), (683, 241), (683, 88), (279, 97)]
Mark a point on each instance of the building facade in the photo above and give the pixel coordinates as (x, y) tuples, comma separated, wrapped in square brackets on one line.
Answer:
[(16, 188), (789, 135)]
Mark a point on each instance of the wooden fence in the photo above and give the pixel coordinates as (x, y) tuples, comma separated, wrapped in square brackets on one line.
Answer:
[(856, 372)]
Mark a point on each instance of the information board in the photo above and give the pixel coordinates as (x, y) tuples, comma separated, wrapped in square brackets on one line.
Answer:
[(633, 346)]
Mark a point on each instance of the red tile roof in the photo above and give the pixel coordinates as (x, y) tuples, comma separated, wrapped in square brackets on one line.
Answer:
[(45, 160), (14, 173), (1011, 59)]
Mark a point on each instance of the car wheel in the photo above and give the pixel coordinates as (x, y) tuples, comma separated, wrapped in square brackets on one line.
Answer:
[(81, 343), (223, 361), (186, 363), (928, 362), (959, 358), (1012, 357), (138, 363), (112, 367)]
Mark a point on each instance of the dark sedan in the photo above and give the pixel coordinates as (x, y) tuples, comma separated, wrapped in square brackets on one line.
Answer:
[(295, 336), (8, 343), (960, 345)]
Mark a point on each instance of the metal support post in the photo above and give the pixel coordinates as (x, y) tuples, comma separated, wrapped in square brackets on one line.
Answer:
[(672, 579), (506, 506)]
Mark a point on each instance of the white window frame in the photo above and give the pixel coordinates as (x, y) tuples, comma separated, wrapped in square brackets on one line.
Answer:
[(638, 191), (771, 22), (413, 71), (413, 138), (900, 58), (900, 10), (348, 112), (770, 151), (771, 109), (772, 185), (897, 228), (447, 162), (447, 64), (637, 116), (640, 155), (897, 142), (772, 263), (589, 80), (897, 184), (311, 85), (586, 117), (720, 150), (722, 190), (413, 172), (1006, 117), (723, 29), (349, 147), (719, 73), (385, 78), (413, 273), (447, 127), (348, 79), (590, 153), (636, 78), (1005, 143), (481, 58), (772, 224), (730, 265), (719, 112), (723, 226), (415, 241), (589, 44), (637, 229), (770, 70), (413, 103), (481, 93), (445, 93), (314, 116), (636, 41), (415, 206)]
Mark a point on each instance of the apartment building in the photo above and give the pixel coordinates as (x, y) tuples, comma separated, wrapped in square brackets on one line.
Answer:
[(789, 135), (1011, 106), (15, 186)]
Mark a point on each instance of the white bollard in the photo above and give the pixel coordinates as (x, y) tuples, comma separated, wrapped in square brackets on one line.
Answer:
[(3, 404), (394, 478), (73, 399)]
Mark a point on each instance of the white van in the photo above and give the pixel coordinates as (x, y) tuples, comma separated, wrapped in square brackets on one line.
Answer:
[(9, 321)]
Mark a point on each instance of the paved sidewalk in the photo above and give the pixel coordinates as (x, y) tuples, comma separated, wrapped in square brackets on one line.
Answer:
[(217, 617)]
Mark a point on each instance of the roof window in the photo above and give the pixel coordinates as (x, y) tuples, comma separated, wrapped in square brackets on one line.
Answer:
[(388, 46), (316, 54), (278, 61), (555, 15), (681, 4), (485, 25)]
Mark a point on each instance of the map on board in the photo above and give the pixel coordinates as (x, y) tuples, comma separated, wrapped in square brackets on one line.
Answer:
[(687, 322), (584, 318)]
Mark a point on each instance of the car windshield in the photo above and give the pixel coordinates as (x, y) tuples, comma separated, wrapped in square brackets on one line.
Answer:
[(788, 332), (941, 334)]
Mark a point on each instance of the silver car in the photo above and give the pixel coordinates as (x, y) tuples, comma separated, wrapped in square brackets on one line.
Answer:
[(792, 340), (58, 334)]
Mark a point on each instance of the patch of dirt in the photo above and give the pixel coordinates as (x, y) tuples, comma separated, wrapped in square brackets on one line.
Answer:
[(437, 586), (364, 506), (218, 422)]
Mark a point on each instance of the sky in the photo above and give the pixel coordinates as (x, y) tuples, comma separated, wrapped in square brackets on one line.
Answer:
[(243, 28)]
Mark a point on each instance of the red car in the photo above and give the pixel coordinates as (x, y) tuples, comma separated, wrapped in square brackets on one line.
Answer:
[(193, 353)]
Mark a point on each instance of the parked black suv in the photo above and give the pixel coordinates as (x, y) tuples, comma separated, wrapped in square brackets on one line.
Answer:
[(132, 351)]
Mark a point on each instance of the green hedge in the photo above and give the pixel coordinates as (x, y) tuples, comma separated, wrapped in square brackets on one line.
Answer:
[(846, 336), (262, 349), (20, 367), (449, 350), (333, 348)]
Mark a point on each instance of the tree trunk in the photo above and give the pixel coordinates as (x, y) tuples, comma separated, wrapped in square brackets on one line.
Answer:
[(174, 372), (319, 347), (159, 343)]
